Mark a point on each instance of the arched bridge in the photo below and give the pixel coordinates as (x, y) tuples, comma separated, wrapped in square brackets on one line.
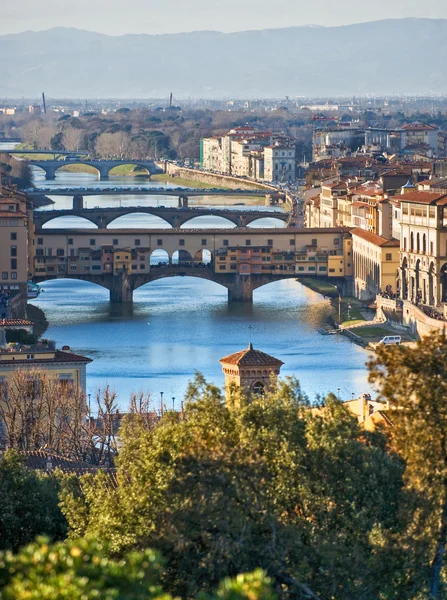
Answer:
[(176, 217), (102, 166), (122, 285)]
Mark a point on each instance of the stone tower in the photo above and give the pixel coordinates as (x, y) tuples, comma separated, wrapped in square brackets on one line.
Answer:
[(250, 370)]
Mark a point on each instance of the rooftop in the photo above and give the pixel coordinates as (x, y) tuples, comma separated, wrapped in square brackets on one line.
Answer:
[(375, 239), (251, 357)]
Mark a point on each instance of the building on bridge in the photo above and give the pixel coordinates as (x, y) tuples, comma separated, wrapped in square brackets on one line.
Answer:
[(239, 259)]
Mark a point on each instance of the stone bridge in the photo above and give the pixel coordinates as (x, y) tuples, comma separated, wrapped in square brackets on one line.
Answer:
[(102, 166), (240, 287), (176, 217)]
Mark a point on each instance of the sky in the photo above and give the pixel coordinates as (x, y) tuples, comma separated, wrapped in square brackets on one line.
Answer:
[(118, 17)]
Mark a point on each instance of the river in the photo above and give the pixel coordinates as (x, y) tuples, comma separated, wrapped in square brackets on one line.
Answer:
[(180, 325)]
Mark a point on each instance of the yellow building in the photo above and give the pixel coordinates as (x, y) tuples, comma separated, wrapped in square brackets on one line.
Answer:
[(14, 242), (61, 364), (122, 260), (376, 263)]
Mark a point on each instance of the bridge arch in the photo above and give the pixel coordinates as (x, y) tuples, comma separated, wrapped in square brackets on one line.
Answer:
[(266, 222), (69, 222), (159, 257), (146, 220), (193, 275), (129, 164), (203, 222), (91, 169)]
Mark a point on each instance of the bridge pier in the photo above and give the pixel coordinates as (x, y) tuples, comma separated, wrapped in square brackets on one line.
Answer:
[(78, 202), (121, 290), (50, 172), (241, 289)]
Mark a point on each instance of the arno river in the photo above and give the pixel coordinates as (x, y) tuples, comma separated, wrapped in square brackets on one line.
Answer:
[(179, 325)]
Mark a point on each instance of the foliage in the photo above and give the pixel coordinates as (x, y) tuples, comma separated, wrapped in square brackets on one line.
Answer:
[(28, 504), (304, 495), (414, 382), (20, 336), (84, 570)]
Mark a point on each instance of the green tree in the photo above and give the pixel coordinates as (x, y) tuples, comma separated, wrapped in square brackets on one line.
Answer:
[(28, 504), (414, 382), (84, 570), (271, 485)]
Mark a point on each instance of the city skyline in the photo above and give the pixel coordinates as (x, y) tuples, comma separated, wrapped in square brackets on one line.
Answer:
[(139, 16)]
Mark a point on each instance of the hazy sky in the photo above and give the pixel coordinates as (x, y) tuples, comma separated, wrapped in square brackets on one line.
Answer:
[(118, 17)]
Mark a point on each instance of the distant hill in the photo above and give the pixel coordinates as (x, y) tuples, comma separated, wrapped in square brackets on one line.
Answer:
[(402, 56)]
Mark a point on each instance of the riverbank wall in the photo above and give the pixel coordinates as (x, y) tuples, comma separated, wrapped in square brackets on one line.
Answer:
[(228, 181), (402, 314)]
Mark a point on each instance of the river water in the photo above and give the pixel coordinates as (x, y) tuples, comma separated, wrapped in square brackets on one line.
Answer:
[(179, 325)]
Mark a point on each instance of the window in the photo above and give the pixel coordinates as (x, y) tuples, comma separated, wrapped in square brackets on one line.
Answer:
[(70, 241), (142, 257), (142, 267), (431, 247), (424, 243), (203, 242), (159, 242), (39, 252), (258, 389), (4, 274), (13, 250), (405, 244), (291, 242), (389, 257), (13, 236), (115, 241), (336, 241), (13, 263), (331, 270), (269, 242), (314, 242), (222, 267), (137, 243), (322, 268), (225, 242), (60, 252), (92, 242), (411, 242), (431, 212), (181, 242), (248, 242), (39, 241), (13, 275), (418, 243)]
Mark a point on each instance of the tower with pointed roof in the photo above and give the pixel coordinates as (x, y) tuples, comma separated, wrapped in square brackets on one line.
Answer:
[(251, 370)]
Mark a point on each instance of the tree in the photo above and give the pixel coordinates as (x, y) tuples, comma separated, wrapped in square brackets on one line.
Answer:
[(272, 485), (83, 570), (72, 137), (28, 504), (414, 382)]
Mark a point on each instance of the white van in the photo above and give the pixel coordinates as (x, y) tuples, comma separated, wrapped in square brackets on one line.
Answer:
[(390, 340)]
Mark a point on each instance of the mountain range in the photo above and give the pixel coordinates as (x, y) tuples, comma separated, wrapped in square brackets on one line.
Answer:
[(390, 57)]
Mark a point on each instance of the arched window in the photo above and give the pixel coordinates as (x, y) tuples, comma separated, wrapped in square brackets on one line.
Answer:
[(424, 243), (418, 243), (258, 388), (405, 244), (411, 242)]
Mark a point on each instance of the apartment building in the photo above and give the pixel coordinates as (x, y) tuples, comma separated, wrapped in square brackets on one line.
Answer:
[(63, 365), (423, 245), (376, 264), (15, 247), (246, 152), (279, 163)]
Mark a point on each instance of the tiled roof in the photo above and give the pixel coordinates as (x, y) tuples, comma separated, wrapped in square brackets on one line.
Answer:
[(39, 459), (59, 357), (15, 322), (250, 357), (422, 197), (375, 239)]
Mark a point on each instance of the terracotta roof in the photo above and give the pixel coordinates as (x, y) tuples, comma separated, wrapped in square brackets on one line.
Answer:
[(10, 213), (358, 203), (39, 459), (375, 239), (59, 357), (250, 357), (15, 322), (422, 197), (418, 127)]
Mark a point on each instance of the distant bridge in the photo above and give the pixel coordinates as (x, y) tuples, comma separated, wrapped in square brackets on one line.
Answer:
[(176, 217), (144, 191), (102, 166)]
